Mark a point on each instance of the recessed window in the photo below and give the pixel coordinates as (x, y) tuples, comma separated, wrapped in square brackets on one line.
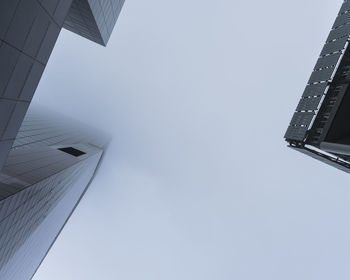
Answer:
[(72, 151)]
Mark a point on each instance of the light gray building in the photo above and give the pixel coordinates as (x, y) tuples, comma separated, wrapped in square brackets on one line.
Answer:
[(48, 169)]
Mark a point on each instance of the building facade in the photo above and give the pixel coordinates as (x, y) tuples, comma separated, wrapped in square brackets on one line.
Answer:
[(46, 160), (319, 127), (28, 32), (48, 169)]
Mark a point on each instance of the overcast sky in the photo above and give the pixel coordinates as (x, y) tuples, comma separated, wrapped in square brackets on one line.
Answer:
[(198, 182)]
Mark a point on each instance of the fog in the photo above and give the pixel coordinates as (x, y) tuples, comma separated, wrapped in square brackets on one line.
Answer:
[(197, 182)]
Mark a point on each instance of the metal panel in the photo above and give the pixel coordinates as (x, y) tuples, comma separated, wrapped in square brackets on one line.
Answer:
[(296, 133), (22, 23), (302, 118), (326, 113), (325, 159), (309, 104), (339, 32), (7, 11), (327, 61), (321, 75), (80, 20), (345, 7), (335, 148), (334, 46), (93, 19), (315, 89), (342, 19)]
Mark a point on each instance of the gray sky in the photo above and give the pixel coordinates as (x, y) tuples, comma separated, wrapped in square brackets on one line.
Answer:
[(198, 182)]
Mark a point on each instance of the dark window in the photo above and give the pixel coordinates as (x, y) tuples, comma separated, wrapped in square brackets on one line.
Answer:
[(72, 151)]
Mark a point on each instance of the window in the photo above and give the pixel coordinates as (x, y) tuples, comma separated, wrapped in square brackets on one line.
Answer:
[(72, 151)]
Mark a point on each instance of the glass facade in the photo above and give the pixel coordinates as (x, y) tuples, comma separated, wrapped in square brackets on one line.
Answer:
[(40, 185)]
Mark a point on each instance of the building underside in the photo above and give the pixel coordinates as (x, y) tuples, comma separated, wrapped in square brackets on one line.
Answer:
[(320, 126)]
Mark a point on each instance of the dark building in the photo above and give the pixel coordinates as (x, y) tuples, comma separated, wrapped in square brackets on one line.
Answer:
[(28, 32), (320, 125), (46, 161)]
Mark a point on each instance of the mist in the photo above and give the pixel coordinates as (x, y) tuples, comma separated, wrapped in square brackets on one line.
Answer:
[(197, 182)]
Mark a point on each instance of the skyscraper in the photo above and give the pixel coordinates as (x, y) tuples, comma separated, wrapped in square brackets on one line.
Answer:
[(319, 127), (46, 161), (28, 32), (46, 173)]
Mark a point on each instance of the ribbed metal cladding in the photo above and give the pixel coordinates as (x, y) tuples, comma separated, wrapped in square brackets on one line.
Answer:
[(321, 78)]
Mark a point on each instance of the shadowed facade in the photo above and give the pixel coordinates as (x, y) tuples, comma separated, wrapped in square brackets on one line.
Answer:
[(28, 32), (46, 161), (320, 125)]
